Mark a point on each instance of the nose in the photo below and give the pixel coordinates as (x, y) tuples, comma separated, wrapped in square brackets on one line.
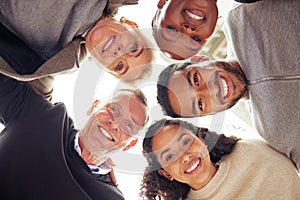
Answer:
[(189, 28), (202, 90), (118, 51), (186, 157), (113, 125)]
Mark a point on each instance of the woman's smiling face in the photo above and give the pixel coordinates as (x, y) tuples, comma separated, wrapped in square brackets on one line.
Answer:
[(119, 48), (183, 156)]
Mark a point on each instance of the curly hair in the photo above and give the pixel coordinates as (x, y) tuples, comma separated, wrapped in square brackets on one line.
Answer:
[(154, 186), (163, 87)]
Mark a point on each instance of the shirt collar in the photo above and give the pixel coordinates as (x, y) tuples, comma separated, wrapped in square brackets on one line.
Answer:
[(103, 169)]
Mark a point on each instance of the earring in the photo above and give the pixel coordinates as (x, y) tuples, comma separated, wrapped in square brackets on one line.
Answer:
[(131, 144), (123, 20), (161, 3), (94, 105)]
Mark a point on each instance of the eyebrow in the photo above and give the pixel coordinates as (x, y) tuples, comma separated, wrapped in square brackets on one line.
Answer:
[(141, 51), (168, 149), (126, 69), (131, 118), (137, 55), (188, 77), (162, 153), (183, 134), (194, 107)]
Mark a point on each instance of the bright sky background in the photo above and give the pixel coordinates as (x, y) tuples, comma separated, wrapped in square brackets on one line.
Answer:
[(71, 89)]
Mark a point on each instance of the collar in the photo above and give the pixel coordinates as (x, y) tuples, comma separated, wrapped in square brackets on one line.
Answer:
[(103, 169)]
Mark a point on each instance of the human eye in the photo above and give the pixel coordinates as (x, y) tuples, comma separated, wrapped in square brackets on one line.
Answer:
[(186, 141), (114, 110), (169, 157), (119, 66), (129, 126), (172, 28), (195, 38), (200, 104), (133, 48), (196, 80)]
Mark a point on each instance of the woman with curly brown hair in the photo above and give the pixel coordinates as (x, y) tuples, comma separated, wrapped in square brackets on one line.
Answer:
[(188, 162)]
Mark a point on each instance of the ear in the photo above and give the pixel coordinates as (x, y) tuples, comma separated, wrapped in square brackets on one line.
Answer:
[(94, 105), (131, 144), (161, 3), (165, 174)]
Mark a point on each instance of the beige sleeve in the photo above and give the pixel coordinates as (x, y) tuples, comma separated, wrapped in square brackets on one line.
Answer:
[(43, 86)]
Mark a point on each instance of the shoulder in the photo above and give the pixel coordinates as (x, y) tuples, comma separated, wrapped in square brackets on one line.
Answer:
[(258, 152), (253, 146)]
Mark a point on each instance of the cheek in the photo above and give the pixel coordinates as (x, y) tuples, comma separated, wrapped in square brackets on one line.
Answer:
[(174, 168), (124, 137)]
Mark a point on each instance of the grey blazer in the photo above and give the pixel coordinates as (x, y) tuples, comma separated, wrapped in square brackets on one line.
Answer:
[(66, 61)]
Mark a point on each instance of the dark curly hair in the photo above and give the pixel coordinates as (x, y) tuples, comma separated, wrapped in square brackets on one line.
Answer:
[(162, 87), (155, 186)]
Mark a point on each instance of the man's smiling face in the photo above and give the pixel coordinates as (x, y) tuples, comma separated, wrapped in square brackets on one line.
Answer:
[(112, 125), (205, 88)]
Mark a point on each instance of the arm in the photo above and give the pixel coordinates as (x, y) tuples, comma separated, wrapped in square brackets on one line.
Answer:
[(15, 96), (17, 54), (23, 60), (9, 100)]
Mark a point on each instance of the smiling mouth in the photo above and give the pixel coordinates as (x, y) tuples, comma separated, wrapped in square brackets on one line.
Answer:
[(193, 167), (225, 88), (105, 133), (194, 16), (109, 43)]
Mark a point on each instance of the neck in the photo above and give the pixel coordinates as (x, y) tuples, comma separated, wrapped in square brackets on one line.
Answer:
[(212, 173), (87, 156)]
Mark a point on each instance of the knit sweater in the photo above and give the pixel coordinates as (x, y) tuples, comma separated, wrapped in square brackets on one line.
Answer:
[(263, 37), (253, 170)]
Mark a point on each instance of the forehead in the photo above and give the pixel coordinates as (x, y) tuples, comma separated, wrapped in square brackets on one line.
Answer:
[(180, 93), (167, 137), (176, 80), (130, 104)]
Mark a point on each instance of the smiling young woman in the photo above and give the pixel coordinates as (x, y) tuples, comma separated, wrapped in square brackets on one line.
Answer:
[(189, 162)]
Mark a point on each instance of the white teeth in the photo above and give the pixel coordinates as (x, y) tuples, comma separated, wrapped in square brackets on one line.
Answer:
[(105, 133), (108, 44), (193, 167), (225, 87), (191, 15)]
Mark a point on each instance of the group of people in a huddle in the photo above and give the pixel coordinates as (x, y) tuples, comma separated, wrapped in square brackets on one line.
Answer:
[(44, 156)]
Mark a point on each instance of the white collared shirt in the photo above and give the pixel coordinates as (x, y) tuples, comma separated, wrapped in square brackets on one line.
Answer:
[(103, 169)]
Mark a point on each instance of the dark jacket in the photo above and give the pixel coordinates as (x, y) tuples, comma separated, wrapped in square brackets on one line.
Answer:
[(37, 156)]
